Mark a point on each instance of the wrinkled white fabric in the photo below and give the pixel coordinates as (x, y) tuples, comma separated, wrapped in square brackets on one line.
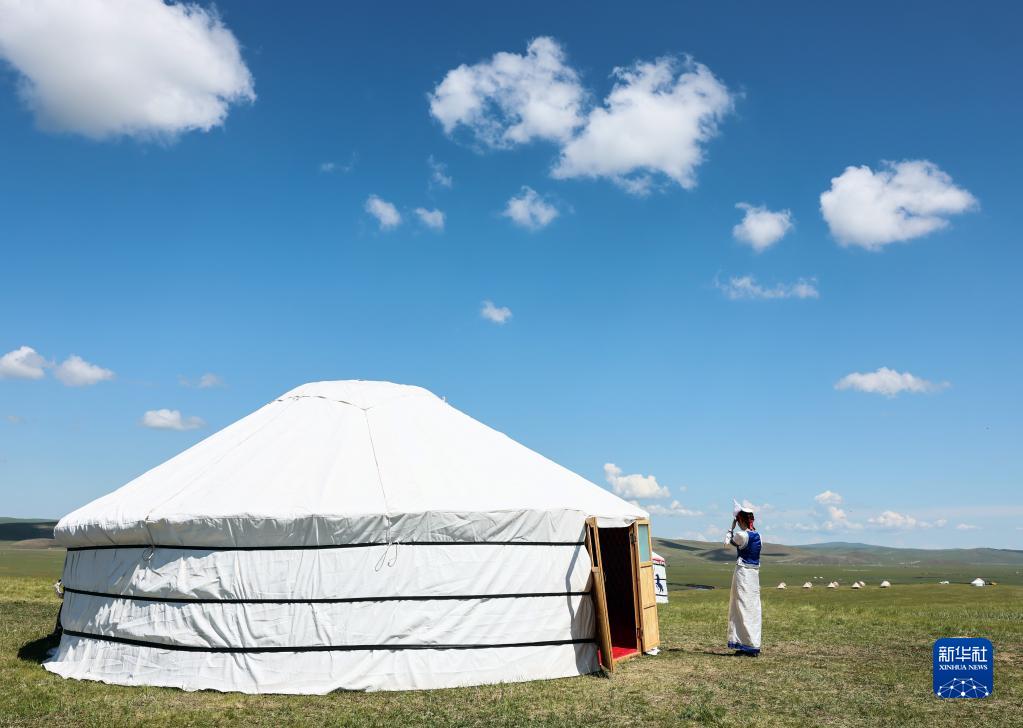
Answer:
[(349, 462), (316, 673)]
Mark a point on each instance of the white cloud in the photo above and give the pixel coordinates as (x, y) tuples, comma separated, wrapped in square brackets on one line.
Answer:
[(837, 519), (439, 176), (497, 314), (530, 210), (106, 68), (633, 486), (168, 419), (385, 213), (433, 219), (209, 380), (966, 527), (828, 497), (901, 201), (655, 121), (331, 167), (941, 522), (888, 382), (761, 228), (743, 288), (897, 521), (512, 99), (14, 419), (22, 363), (76, 372), (675, 509)]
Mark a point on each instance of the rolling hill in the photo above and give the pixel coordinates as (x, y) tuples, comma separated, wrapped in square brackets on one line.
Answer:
[(843, 554)]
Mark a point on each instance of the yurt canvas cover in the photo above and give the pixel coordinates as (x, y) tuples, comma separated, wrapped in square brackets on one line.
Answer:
[(355, 535)]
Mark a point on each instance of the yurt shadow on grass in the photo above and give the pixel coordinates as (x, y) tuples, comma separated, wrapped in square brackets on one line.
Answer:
[(359, 536)]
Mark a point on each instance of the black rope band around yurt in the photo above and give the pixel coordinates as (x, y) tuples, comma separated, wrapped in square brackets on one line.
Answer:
[(323, 600), (317, 648)]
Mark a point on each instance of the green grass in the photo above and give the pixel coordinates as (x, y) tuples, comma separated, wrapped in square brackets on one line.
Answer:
[(832, 658)]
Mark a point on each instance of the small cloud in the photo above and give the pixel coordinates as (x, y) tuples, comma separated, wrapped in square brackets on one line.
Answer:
[(433, 219), (675, 509), (746, 288), (15, 419), (332, 167), (837, 518), (22, 363), (888, 382), (209, 380), (76, 372), (829, 498), (941, 522), (633, 486), (439, 176), (167, 419), (497, 314), (761, 228), (530, 210), (385, 213), (901, 201), (897, 521), (966, 527)]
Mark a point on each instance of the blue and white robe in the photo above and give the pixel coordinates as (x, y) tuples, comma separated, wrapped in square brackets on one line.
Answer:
[(744, 605)]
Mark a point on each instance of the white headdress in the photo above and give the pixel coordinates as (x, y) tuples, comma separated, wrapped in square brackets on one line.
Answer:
[(737, 507)]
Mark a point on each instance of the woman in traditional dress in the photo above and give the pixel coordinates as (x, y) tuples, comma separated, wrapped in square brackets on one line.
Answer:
[(744, 605)]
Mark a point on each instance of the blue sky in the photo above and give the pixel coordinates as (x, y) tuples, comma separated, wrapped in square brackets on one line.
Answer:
[(202, 209)]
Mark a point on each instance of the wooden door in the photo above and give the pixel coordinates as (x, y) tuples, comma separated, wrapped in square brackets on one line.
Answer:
[(603, 628), (646, 597)]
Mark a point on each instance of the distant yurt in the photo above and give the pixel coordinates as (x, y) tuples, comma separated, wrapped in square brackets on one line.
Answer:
[(353, 535), (660, 578), (782, 585), (833, 585), (808, 585), (944, 582), (978, 582), (885, 584), (856, 585)]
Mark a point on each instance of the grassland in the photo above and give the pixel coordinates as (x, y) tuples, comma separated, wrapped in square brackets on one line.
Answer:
[(832, 658)]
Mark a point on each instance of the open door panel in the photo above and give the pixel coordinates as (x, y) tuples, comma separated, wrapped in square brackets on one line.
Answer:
[(603, 628), (646, 597)]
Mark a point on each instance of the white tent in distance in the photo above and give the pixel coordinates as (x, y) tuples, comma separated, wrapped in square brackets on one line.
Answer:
[(347, 535)]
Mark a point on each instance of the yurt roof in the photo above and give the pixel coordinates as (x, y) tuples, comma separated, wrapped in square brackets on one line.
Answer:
[(348, 460)]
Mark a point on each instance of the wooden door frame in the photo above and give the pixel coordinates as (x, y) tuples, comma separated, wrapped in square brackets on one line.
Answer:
[(643, 571), (599, 594)]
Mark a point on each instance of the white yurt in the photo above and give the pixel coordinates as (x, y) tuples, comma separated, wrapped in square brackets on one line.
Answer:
[(348, 535), (885, 584), (660, 578), (978, 582), (856, 585), (833, 585), (808, 585), (782, 585)]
